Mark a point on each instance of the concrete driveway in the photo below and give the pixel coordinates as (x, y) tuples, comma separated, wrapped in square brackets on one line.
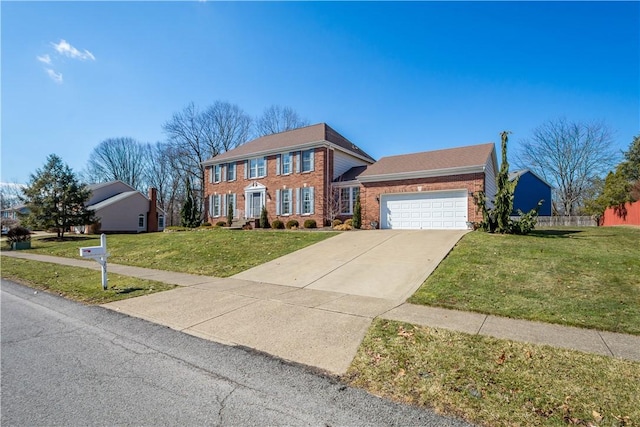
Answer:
[(312, 306), (388, 264)]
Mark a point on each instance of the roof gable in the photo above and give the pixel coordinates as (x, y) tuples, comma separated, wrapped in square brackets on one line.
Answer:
[(468, 159), (305, 137), (517, 174)]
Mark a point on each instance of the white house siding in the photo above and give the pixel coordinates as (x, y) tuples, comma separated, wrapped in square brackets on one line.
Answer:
[(490, 187), (100, 192), (123, 215), (342, 162)]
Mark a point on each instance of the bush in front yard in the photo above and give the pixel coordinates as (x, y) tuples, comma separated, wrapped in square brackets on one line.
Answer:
[(335, 223), (221, 223), (310, 223), (292, 223), (18, 234), (277, 224)]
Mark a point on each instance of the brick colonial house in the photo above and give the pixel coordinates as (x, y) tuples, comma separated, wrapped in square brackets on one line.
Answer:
[(314, 172)]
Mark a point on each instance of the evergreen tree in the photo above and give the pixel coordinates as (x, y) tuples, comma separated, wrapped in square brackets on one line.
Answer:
[(230, 213), (357, 214), (56, 199), (499, 219), (189, 215)]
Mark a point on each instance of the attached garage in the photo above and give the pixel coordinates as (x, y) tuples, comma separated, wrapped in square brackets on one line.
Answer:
[(428, 190), (428, 210)]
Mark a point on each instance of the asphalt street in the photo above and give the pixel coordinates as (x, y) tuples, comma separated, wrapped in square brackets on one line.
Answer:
[(64, 363)]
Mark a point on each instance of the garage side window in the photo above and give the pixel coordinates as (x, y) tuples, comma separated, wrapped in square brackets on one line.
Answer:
[(141, 221)]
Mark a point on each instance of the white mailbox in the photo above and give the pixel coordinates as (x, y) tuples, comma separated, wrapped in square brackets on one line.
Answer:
[(92, 252), (99, 253)]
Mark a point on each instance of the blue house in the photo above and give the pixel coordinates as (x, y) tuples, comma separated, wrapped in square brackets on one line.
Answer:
[(529, 191)]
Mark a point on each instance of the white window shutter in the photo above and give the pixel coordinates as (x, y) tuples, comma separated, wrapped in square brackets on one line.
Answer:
[(223, 205), (298, 158), (223, 172), (211, 174), (278, 162), (235, 206), (211, 205), (235, 170), (246, 169), (277, 202), (312, 161), (298, 201), (311, 194)]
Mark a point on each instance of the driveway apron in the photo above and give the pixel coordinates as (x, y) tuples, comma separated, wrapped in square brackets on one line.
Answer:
[(312, 306)]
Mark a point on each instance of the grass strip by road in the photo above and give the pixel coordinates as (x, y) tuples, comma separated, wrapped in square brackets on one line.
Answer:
[(79, 284), (585, 277), (495, 382), (214, 252)]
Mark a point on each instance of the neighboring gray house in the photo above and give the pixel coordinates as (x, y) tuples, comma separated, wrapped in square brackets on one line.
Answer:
[(122, 209)]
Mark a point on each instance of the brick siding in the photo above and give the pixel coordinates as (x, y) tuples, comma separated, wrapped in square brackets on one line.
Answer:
[(370, 192), (273, 182)]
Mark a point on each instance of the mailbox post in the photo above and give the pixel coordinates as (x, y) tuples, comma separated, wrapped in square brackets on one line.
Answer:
[(98, 253)]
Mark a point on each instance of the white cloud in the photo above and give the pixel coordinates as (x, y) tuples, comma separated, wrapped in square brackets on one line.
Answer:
[(64, 48), (44, 58), (56, 77)]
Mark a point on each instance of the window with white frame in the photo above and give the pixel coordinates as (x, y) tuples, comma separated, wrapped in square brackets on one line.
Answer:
[(307, 200), (286, 202), (307, 161), (286, 164), (348, 196), (231, 172), (258, 167), (217, 173), (141, 221), (161, 221), (214, 203)]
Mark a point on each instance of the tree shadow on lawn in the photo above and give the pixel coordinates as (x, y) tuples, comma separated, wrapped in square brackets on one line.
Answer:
[(67, 238), (127, 290), (554, 234)]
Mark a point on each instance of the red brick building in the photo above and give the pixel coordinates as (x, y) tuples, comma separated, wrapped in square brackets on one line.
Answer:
[(314, 172)]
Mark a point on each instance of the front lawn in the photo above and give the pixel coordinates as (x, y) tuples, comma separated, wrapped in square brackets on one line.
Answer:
[(215, 252), (495, 382), (587, 277), (79, 284)]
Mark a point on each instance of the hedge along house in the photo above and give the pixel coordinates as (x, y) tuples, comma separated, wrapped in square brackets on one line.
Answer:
[(428, 190), (121, 208), (289, 173)]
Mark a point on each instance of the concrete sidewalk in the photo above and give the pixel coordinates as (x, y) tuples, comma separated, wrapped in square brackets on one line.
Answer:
[(316, 327)]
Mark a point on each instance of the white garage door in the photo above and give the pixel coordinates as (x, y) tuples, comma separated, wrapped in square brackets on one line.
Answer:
[(431, 210)]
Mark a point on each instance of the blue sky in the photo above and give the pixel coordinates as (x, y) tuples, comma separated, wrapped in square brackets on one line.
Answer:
[(393, 77)]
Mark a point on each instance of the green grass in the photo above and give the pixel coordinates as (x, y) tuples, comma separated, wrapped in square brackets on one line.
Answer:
[(587, 277), (495, 382), (214, 252), (79, 284)]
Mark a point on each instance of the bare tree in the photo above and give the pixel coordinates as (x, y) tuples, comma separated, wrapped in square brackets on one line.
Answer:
[(167, 178), (568, 155), (196, 136), (278, 119), (123, 159)]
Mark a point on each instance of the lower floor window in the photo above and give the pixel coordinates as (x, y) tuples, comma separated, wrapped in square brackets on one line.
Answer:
[(307, 200), (141, 221), (215, 205)]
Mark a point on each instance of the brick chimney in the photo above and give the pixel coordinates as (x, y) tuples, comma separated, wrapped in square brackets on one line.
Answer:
[(152, 216)]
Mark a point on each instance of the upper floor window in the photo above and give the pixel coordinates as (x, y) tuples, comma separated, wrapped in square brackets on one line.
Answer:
[(257, 167), (217, 173), (286, 164), (307, 161), (231, 172)]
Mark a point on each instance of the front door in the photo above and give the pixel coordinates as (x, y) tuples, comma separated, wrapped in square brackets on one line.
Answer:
[(255, 205)]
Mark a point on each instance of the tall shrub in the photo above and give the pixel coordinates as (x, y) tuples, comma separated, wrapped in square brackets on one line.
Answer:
[(357, 213)]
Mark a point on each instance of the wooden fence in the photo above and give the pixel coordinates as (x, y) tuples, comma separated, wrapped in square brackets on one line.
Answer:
[(571, 221), (628, 214)]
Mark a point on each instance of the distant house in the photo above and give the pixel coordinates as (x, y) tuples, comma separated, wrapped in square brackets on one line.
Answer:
[(529, 191), (300, 174), (122, 209), (14, 212)]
